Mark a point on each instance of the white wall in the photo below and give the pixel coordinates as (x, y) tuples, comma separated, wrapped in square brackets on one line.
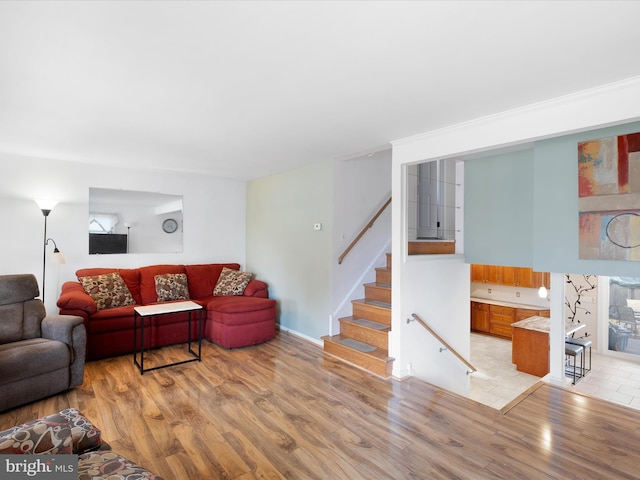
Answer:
[(607, 105), (214, 217), (436, 288), (284, 249), (361, 186), (301, 265)]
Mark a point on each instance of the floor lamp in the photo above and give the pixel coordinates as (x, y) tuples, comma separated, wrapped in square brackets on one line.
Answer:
[(46, 206)]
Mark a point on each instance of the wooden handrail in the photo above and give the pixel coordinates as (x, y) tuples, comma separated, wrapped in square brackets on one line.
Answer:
[(364, 230), (442, 341)]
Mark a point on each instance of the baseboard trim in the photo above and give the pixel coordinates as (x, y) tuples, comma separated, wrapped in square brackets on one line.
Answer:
[(309, 339)]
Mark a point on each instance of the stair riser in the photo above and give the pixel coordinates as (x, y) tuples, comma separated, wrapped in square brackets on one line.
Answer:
[(377, 338), (380, 294), (383, 275), (388, 260), (431, 248), (374, 365), (371, 312)]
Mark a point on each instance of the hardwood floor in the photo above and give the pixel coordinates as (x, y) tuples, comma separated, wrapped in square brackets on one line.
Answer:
[(285, 410)]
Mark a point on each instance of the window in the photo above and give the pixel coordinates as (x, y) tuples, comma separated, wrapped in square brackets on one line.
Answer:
[(624, 314), (102, 222)]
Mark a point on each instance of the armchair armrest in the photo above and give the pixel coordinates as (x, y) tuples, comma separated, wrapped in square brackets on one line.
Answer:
[(69, 329), (73, 297), (256, 288)]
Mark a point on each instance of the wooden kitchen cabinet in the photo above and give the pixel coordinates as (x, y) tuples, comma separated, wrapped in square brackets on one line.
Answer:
[(480, 317), (541, 278), (519, 277), (531, 279), (497, 319), (486, 274), (510, 276), (500, 320), (477, 273), (522, 313), (530, 351), (493, 274)]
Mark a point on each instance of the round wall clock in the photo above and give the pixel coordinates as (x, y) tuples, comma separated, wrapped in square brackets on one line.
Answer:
[(169, 225)]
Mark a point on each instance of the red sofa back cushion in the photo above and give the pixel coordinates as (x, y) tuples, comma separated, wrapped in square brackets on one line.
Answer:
[(148, 280), (131, 277), (203, 278)]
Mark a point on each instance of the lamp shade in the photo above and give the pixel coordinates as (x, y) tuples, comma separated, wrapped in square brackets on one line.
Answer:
[(58, 257), (542, 292), (46, 203)]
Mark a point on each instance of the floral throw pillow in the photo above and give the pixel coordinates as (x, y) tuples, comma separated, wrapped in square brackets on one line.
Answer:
[(232, 282), (172, 286), (107, 290)]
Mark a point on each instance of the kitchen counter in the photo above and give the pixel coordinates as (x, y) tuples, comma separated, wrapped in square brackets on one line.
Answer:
[(543, 324), (508, 304), (530, 344)]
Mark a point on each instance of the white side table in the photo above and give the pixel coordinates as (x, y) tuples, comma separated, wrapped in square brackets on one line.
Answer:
[(149, 311)]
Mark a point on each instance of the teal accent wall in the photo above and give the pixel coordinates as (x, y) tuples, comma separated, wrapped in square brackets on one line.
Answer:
[(284, 250), (498, 209), (555, 242), (521, 208)]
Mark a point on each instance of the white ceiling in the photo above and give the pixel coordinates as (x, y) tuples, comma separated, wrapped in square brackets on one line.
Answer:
[(249, 89)]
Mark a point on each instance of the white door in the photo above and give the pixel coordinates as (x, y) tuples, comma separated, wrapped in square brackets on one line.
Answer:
[(429, 192)]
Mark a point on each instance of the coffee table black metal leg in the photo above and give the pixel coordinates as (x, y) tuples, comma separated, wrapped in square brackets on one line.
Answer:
[(142, 346), (200, 335)]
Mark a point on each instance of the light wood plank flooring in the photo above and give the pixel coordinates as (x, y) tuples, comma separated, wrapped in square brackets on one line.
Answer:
[(285, 410)]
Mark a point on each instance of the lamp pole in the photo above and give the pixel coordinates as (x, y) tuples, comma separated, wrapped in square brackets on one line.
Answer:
[(46, 213)]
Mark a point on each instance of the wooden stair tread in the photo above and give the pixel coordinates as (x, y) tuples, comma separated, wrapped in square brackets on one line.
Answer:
[(377, 353), (366, 323), (373, 303), (378, 285)]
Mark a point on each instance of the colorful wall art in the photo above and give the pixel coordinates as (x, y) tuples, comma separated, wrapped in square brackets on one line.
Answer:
[(609, 198)]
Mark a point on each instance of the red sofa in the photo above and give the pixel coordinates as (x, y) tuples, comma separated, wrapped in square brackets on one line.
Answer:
[(229, 321)]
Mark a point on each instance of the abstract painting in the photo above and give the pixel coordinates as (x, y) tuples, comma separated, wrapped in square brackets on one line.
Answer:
[(609, 198)]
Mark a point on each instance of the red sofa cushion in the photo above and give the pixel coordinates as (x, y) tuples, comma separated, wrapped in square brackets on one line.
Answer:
[(73, 297), (120, 318), (240, 310), (148, 281), (203, 278)]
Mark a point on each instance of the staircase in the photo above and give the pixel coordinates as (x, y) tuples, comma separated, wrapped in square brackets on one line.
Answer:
[(363, 339)]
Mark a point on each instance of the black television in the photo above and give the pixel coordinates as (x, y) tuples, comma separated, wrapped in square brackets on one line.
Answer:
[(106, 243)]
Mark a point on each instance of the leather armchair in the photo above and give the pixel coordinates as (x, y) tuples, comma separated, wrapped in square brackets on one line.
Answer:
[(39, 355)]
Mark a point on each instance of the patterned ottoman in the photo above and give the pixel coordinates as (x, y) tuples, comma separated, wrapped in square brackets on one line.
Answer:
[(69, 432)]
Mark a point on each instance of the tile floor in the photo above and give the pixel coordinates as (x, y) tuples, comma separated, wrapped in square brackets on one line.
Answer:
[(497, 382)]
